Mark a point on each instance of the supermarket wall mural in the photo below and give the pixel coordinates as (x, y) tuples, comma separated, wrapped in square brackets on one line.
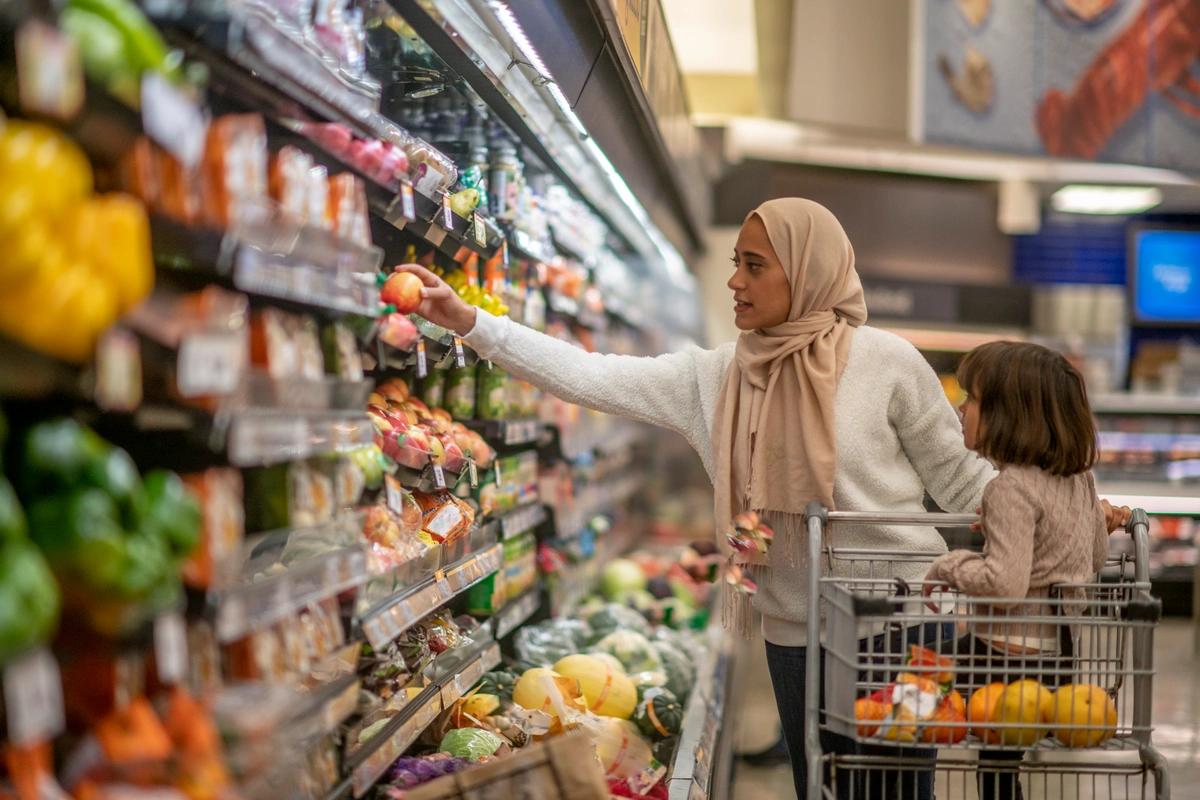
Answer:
[(1109, 80)]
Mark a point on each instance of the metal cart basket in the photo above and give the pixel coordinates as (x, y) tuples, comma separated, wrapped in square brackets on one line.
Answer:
[(930, 693)]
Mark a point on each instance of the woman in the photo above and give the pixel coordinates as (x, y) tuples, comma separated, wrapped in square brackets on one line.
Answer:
[(809, 403)]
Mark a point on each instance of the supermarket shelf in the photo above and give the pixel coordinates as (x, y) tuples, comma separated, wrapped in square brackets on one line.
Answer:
[(1145, 404), (246, 75), (517, 612), (26, 373), (373, 759), (326, 708), (1155, 498), (393, 617), (593, 501), (430, 478), (519, 520), (276, 259), (510, 433), (697, 755), (269, 437), (261, 601)]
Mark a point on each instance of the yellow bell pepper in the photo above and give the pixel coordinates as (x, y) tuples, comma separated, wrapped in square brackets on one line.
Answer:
[(45, 160), (112, 234)]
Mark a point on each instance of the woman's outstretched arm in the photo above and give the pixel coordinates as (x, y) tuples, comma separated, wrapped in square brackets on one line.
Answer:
[(662, 390)]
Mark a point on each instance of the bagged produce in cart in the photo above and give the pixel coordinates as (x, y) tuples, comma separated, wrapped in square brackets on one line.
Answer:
[(624, 753)]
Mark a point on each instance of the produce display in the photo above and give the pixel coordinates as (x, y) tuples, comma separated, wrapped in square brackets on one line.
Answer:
[(922, 705)]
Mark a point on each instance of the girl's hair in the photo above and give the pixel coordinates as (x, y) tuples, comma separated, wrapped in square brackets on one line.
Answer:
[(1033, 407)]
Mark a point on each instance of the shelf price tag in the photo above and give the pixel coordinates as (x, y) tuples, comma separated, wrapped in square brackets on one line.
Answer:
[(395, 495), (118, 371), (422, 361), (460, 357), (439, 476), (504, 253), (170, 648), (447, 213), (49, 78), (473, 473), (479, 228), (209, 364), (408, 206), (33, 698)]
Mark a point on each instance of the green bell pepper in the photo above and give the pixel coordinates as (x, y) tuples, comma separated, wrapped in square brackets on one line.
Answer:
[(81, 535), (170, 513), (12, 517), (29, 600)]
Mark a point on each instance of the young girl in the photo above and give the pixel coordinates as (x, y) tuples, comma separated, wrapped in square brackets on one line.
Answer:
[(1043, 525)]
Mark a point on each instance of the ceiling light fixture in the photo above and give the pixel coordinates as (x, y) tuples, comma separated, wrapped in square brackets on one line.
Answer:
[(1084, 199)]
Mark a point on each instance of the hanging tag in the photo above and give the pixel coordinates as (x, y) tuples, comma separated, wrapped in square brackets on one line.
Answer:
[(460, 358), (439, 477), (49, 78), (498, 481), (395, 495), (480, 230), (408, 206), (447, 213), (172, 118), (118, 371), (33, 698), (170, 648), (422, 363), (504, 252), (473, 472)]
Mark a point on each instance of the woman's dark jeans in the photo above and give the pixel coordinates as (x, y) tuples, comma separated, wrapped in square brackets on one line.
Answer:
[(788, 669)]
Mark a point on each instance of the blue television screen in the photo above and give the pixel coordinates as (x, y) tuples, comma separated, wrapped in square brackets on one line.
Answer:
[(1166, 276)]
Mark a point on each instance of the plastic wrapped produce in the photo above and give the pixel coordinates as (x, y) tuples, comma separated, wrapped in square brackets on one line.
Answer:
[(635, 652), (471, 743), (605, 619), (547, 642), (410, 771)]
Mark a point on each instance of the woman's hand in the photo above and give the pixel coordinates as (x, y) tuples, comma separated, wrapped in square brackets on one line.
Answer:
[(1115, 516), (439, 304)]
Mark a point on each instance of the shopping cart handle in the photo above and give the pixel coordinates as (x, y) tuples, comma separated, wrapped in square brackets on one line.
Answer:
[(815, 509), (1145, 609)]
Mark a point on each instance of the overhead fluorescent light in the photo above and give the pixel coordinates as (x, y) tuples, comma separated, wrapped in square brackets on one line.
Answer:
[(1084, 199)]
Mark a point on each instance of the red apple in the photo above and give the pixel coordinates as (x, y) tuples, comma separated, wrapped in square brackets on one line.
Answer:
[(402, 290)]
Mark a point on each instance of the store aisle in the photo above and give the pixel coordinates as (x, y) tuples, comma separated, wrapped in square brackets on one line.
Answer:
[(1176, 719)]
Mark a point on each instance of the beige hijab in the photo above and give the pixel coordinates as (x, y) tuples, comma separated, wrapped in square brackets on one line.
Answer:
[(774, 427)]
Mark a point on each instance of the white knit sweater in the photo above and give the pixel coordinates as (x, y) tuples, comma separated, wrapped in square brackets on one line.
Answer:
[(896, 434)]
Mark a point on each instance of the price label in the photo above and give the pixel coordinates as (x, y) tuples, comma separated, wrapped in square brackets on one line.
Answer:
[(447, 213), (473, 473), (210, 364), (439, 477), (49, 78), (118, 371), (422, 361), (504, 252), (480, 229), (460, 357), (171, 117), (395, 495), (33, 698), (408, 206), (499, 481), (170, 648)]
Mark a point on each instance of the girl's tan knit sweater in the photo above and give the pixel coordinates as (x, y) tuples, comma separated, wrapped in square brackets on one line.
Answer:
[(1040, 530)]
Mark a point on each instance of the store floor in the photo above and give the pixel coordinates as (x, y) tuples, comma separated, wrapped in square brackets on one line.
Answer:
[(1176, 725)]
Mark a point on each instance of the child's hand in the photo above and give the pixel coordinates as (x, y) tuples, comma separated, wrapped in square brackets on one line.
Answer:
[(927, 591), (1115, 517)]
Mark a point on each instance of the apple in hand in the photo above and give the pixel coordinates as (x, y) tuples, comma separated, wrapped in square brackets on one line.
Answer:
[(402, 290)]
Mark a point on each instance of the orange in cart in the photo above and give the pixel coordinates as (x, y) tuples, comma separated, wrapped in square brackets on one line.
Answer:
[(981, 710)]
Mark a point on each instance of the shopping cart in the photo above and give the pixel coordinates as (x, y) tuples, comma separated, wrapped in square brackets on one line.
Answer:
[(930, 711)]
